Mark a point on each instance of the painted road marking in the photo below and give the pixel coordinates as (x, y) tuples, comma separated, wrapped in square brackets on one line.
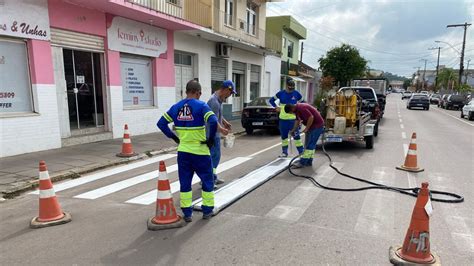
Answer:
[(405, 150), (228, 194), (401, 121), (404, 135), (103, 174), (150, 197), (377, 215), (295, 204), (457, 118), (402, 126), (411, 180)]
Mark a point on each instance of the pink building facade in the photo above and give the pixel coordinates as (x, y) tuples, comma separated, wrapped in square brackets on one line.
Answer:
[(77, 71)]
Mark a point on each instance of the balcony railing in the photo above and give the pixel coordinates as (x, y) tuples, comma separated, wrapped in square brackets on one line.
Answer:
[(171, 7), (238, 28), (273, 42), (199, 13)]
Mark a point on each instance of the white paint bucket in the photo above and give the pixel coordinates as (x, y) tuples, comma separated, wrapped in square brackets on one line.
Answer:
[(229, 140)]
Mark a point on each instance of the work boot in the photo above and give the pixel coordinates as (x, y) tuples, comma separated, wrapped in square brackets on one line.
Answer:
[(219, 181), (208, 216), (283, 155), (188, 219), (298, 165)]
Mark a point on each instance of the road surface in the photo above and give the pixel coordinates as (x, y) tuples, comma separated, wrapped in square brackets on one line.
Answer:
[(285, 221)]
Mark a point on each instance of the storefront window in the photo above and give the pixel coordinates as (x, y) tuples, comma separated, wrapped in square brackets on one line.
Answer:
[(136, 81), (15, 86)]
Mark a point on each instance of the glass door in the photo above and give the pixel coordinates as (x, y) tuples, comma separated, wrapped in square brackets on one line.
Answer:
[(237, 98), (82, 71)]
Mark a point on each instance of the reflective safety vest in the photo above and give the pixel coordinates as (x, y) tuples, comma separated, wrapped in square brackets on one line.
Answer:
[(189, 117), (285, 98)]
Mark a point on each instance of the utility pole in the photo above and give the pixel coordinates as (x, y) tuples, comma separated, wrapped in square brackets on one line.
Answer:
[(461, 65), (437, 65), (424, 72), (467, 71)]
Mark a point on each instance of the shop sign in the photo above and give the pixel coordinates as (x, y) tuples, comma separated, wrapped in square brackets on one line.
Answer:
[(24, 18), (133, 37), (136, 81)]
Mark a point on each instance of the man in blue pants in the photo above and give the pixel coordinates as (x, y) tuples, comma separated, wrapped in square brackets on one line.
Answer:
[(223, 126), (190, 117), (287, 121), (311, 118)]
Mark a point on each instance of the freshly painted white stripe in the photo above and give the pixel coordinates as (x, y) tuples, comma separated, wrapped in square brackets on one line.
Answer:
[(106, 173), (149, 197), (405, 149), (295, 204), (411, 179), (411, 152), (231, 192), (264, 150), (44, 175), (163, 195), (377, 215), (402, 126), (457, 118), (127, 141), (404, 135), (401, 121), (47, 193), (107, 190)]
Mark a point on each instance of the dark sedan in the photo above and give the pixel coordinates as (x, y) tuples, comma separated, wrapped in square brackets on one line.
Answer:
[(419, 101), (259, 114)]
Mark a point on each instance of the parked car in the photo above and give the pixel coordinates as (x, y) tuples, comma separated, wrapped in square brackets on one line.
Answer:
[(259, 114), (419, 100), (434, 98), (370, 104), (454, 102), (442, 100), (425, 92), (406, 95), (468, 110)]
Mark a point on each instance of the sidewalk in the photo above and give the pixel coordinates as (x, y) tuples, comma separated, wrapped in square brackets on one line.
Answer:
[(20, 173)]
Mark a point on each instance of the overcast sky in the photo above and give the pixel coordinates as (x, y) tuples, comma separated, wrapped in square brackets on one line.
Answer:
[(394, 35)]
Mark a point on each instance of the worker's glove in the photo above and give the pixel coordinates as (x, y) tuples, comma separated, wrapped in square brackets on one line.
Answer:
[(209, 143), (176, 139)]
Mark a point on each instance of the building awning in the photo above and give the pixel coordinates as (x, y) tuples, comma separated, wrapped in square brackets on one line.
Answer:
[(297, 79)]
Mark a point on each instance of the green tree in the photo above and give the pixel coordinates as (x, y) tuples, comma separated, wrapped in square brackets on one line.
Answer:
[(343, 63), (447, 79), (407, 84)]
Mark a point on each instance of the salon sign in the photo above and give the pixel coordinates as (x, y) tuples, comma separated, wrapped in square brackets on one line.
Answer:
[(24, 18), (128, 36)]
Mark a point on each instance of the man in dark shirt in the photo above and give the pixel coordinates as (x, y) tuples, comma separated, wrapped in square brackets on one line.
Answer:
[(311, 118)]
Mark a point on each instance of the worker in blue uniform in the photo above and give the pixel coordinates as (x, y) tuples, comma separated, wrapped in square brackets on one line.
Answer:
[(287, 120), (190, 117)]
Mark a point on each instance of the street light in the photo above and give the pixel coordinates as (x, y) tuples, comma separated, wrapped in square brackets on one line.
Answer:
[(450, 45)]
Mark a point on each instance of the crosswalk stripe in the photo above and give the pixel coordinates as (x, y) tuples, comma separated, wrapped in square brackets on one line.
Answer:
[(377, 215), (103, 174), (295, 204), (150, 197)]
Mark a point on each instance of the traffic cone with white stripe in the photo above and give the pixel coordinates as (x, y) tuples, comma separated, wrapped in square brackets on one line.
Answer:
[(166, 216), (411, 162), (127, 149), (50, 212), (416, 247)]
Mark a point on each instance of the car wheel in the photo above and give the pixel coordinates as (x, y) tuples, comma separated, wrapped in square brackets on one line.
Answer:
[(376, 129), (427, 108), (462, 115), (471, 116), (369, 142), (249, 130)]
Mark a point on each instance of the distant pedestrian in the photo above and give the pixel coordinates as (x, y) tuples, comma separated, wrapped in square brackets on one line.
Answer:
[(311, 118), (223, 126), (190, 117), (287, 121)]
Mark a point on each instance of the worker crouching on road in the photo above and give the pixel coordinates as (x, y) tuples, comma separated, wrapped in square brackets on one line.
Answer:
[(311, 118), (223, 126), (190, 117), (287, 121)]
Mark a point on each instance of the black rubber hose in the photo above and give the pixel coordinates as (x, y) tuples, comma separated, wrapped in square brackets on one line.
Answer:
[(406, 191)]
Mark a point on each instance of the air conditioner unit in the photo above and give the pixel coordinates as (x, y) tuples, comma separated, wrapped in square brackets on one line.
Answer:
[(222, 50)]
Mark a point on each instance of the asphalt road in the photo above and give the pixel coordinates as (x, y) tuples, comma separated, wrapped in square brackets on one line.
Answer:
[(285, 221)]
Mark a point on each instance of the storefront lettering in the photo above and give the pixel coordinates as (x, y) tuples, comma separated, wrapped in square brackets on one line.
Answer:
[(129, 36), (6, 95), (25, 29)]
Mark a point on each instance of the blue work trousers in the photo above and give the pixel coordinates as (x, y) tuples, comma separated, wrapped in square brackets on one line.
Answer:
[(285, 127), (188, 164), (311, 138)]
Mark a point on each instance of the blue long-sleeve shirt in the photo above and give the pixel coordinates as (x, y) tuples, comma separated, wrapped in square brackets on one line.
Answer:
[(190, 117)]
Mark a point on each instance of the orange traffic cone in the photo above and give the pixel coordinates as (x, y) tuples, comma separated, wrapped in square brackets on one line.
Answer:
[(411, 163), (166, 216), (50, 212), (416, 247), (127, 149)]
